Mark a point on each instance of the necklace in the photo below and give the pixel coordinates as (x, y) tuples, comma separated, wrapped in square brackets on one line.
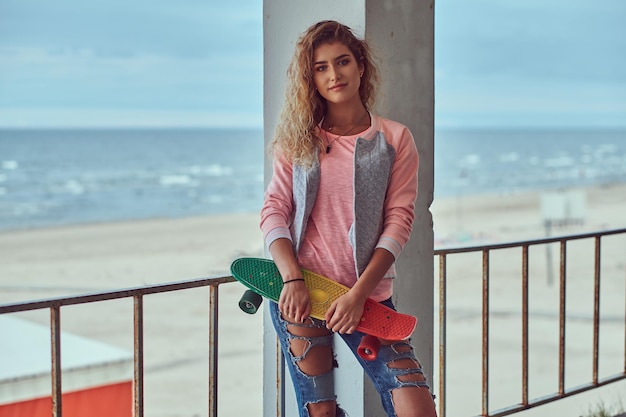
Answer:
[(347, 133)]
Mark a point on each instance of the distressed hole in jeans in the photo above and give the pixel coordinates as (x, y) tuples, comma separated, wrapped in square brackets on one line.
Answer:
[(408, 364), (322, 408), (314, 359)]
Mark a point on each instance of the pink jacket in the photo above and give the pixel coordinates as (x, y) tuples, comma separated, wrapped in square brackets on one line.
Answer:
[(333, 235)]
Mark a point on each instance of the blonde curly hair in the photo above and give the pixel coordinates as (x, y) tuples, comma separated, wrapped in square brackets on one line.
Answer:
[(296, 135)]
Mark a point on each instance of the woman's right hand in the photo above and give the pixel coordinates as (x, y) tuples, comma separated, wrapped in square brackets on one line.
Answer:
[(294, 302)]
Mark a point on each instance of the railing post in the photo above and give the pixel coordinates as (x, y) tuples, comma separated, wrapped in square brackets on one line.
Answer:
[(55, 336), (525, 325), (485, 370), (213, 345), (562, 279), (442, 333), (138, 353), (596, 311)]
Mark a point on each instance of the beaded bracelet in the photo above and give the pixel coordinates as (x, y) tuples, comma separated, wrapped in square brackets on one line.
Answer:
[(293, 280)]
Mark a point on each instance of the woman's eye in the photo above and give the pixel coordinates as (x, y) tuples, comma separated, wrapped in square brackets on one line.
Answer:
[(344, 62), (320, 68)]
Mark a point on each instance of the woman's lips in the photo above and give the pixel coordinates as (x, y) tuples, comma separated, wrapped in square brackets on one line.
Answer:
[(337, 87)]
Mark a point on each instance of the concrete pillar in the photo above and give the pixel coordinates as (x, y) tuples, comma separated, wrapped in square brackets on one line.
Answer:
[(402, 35)]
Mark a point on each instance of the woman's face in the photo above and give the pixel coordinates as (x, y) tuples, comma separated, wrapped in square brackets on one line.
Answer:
[(336, 73)]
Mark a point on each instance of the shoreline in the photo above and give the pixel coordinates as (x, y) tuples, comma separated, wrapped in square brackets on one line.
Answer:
[(441, 206)]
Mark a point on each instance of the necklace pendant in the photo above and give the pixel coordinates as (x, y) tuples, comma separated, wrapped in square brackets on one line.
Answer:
[(328, 148)]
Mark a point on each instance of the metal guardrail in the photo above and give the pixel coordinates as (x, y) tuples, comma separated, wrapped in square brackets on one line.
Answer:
[(525, 402), (137, 294)]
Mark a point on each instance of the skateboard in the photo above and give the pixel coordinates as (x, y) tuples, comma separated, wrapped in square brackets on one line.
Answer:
[(378, 322)]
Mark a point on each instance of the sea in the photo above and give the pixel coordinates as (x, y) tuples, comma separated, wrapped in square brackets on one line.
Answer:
[(51, 178)]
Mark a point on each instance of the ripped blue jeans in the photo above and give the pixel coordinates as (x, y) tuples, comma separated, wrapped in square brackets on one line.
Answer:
[(319, 388)]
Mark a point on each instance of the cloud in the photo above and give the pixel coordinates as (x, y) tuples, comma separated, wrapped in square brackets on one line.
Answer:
[(532, 62), (186, 28), (149, 80), (550, 39), (527, 62), (58, 117), (135, 56)]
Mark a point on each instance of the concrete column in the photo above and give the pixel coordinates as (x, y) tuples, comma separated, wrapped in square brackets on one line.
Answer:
[(401, 33)]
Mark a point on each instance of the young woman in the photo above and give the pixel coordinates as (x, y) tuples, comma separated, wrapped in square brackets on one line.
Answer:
[(340, 203)]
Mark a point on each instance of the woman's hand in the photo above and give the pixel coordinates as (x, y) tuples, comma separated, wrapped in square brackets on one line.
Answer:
[(294, 302), (344, 315)]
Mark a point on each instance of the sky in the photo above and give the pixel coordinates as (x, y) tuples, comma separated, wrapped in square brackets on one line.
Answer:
[(512, 63), (199, 63)]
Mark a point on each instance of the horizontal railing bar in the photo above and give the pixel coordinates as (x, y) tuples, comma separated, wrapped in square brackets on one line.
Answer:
[(517, 244), (556, 396), (112, 295)]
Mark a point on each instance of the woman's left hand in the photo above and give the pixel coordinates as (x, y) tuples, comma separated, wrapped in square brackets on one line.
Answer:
[(344, 315)]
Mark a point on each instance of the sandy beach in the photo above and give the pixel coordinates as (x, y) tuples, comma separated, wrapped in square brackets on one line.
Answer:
[(55, 262)]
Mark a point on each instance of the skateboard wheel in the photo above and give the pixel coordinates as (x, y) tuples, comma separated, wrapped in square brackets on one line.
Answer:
[(250, 302), (368, 348)]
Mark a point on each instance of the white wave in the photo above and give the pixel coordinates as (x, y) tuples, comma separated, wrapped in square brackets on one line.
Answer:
[(9, 165), (68, 187), (588, 148), (177, 180), (612, 160), (74, 187), (215, 199), (471, 159), (509, 157), (559, 161), (214, 170), (607, 148), (27, 209)]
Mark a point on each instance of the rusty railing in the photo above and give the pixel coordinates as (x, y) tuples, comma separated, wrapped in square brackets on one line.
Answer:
[(54, 305), (486, 281), (137, 294)]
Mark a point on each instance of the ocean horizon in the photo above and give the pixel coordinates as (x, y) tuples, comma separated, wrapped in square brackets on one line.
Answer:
[(57, 177)]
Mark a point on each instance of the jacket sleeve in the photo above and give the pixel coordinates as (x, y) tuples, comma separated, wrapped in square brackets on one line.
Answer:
[(401, 193), (276, 213)]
